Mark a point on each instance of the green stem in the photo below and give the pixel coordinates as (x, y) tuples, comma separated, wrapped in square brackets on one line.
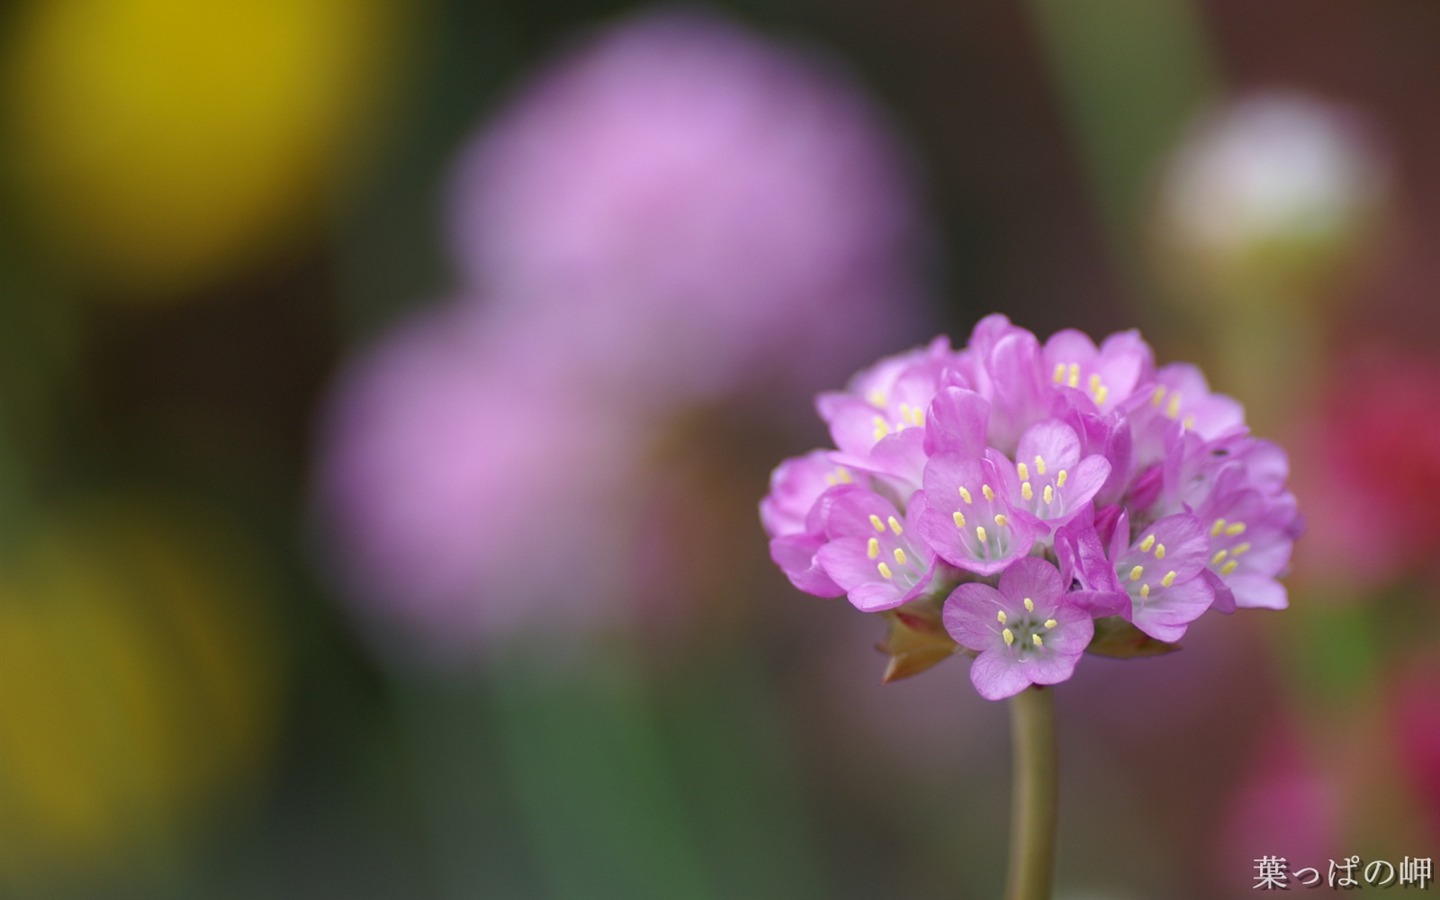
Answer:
[(1032, 812)]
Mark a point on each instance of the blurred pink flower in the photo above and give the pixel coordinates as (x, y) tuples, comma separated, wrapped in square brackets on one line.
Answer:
[(1373, 471), (691, 207), (472, 486), (1285, 806)]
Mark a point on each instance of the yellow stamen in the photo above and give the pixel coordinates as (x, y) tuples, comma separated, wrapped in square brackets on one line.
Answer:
[(1172, 409), (843, 474), (1237, 528), (1094, 382), (989, 494), (1136, 572), (1219, 557), (1060, 479), (1146, 544), (1023, 471), (1049, 494), (881, 428), (876, 397), (876, 523), (1000, 616), (885, 571), (1229, 567), (1239, 549), (1051, 623), (1001, 520), (1027, 492), (1074, 379), (959, 519), (831, 480), (980, 533), (1218, 527), (1009, 636), (872, 549), (1059, 372), (1144, 590), (1188, 422), (1160, 551), (895, 526), (1040, 464), (1101, 394), (1169, 579), (899, 557), (1158, 396), (1029, 605), (1036, 639), (965, 495)]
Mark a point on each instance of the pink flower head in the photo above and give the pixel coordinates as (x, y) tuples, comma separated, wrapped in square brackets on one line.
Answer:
[(1107, 487), (444, 456), (1024, 631), (679, 195)]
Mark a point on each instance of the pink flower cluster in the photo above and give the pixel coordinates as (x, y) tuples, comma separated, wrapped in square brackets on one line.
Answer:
[(1035, 488)]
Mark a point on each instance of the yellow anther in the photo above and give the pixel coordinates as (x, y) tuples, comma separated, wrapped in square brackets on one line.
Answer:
[(1101, 394), (1061, 478), (899, 557), (1000, 616), (1237, 528), (872, 549), (1036, 639), (1029, 605), (1027, 492), (1009, 636), (831, 480), (1169, 579), (1219, 557), (1023, 471), (1188, 422), (1074, 379), (1040, 464), (989, 494), (1059, 372), (1229, 567), (885, 571), (959, 519), (1160, 551), (1094, 383), (917, 416), (1158, 396), (876, 397), (965, 495), (980, 533), (1146, 544), (882, 428), (843, 474), (1049, 494), (876, 523), (1218, 527), (1001, 520), (895, 526), (1136, 572), (1239, 549), (1051, 623), (1144, 590), (1172, 409)]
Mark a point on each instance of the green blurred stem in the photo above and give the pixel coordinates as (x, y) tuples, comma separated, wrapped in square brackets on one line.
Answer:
[(1032, 810)]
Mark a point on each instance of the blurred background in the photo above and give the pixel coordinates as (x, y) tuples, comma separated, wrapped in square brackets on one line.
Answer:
[(387, 389)]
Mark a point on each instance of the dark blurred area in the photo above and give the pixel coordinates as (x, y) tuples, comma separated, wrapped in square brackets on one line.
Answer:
[(387, 389)]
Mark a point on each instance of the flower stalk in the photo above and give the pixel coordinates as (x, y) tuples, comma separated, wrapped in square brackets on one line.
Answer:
[(1033, 795)]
